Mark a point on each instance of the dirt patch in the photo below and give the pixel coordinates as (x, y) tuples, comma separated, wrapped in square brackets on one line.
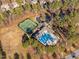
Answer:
[(10, 37)]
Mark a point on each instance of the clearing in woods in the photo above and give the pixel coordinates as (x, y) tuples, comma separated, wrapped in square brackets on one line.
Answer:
[(10, 36)]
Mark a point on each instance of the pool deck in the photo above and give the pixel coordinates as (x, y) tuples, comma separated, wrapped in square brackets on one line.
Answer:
[(48, 30)]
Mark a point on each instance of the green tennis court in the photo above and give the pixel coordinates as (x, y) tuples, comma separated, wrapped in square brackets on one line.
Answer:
[(28, 25)]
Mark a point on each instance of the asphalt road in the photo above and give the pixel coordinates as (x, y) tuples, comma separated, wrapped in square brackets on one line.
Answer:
[(73, 55)]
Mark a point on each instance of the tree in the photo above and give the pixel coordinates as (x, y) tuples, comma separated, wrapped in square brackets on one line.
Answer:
[(24, 38), (3, 55), (28, 56), (16, 56), (0, 50), (1, 17)]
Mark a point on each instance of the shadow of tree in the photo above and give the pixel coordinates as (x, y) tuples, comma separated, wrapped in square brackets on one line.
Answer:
[(28, 56)]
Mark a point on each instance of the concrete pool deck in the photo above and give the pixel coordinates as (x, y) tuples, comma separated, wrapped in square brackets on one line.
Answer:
[(47, 36)]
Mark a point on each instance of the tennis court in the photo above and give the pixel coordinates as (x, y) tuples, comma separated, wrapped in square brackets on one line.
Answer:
[(28, 25)]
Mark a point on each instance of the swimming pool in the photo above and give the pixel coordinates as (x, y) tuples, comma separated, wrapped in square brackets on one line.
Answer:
[(47, 38)]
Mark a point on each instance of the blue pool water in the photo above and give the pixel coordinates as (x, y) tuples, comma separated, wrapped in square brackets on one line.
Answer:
[(45, 37)]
